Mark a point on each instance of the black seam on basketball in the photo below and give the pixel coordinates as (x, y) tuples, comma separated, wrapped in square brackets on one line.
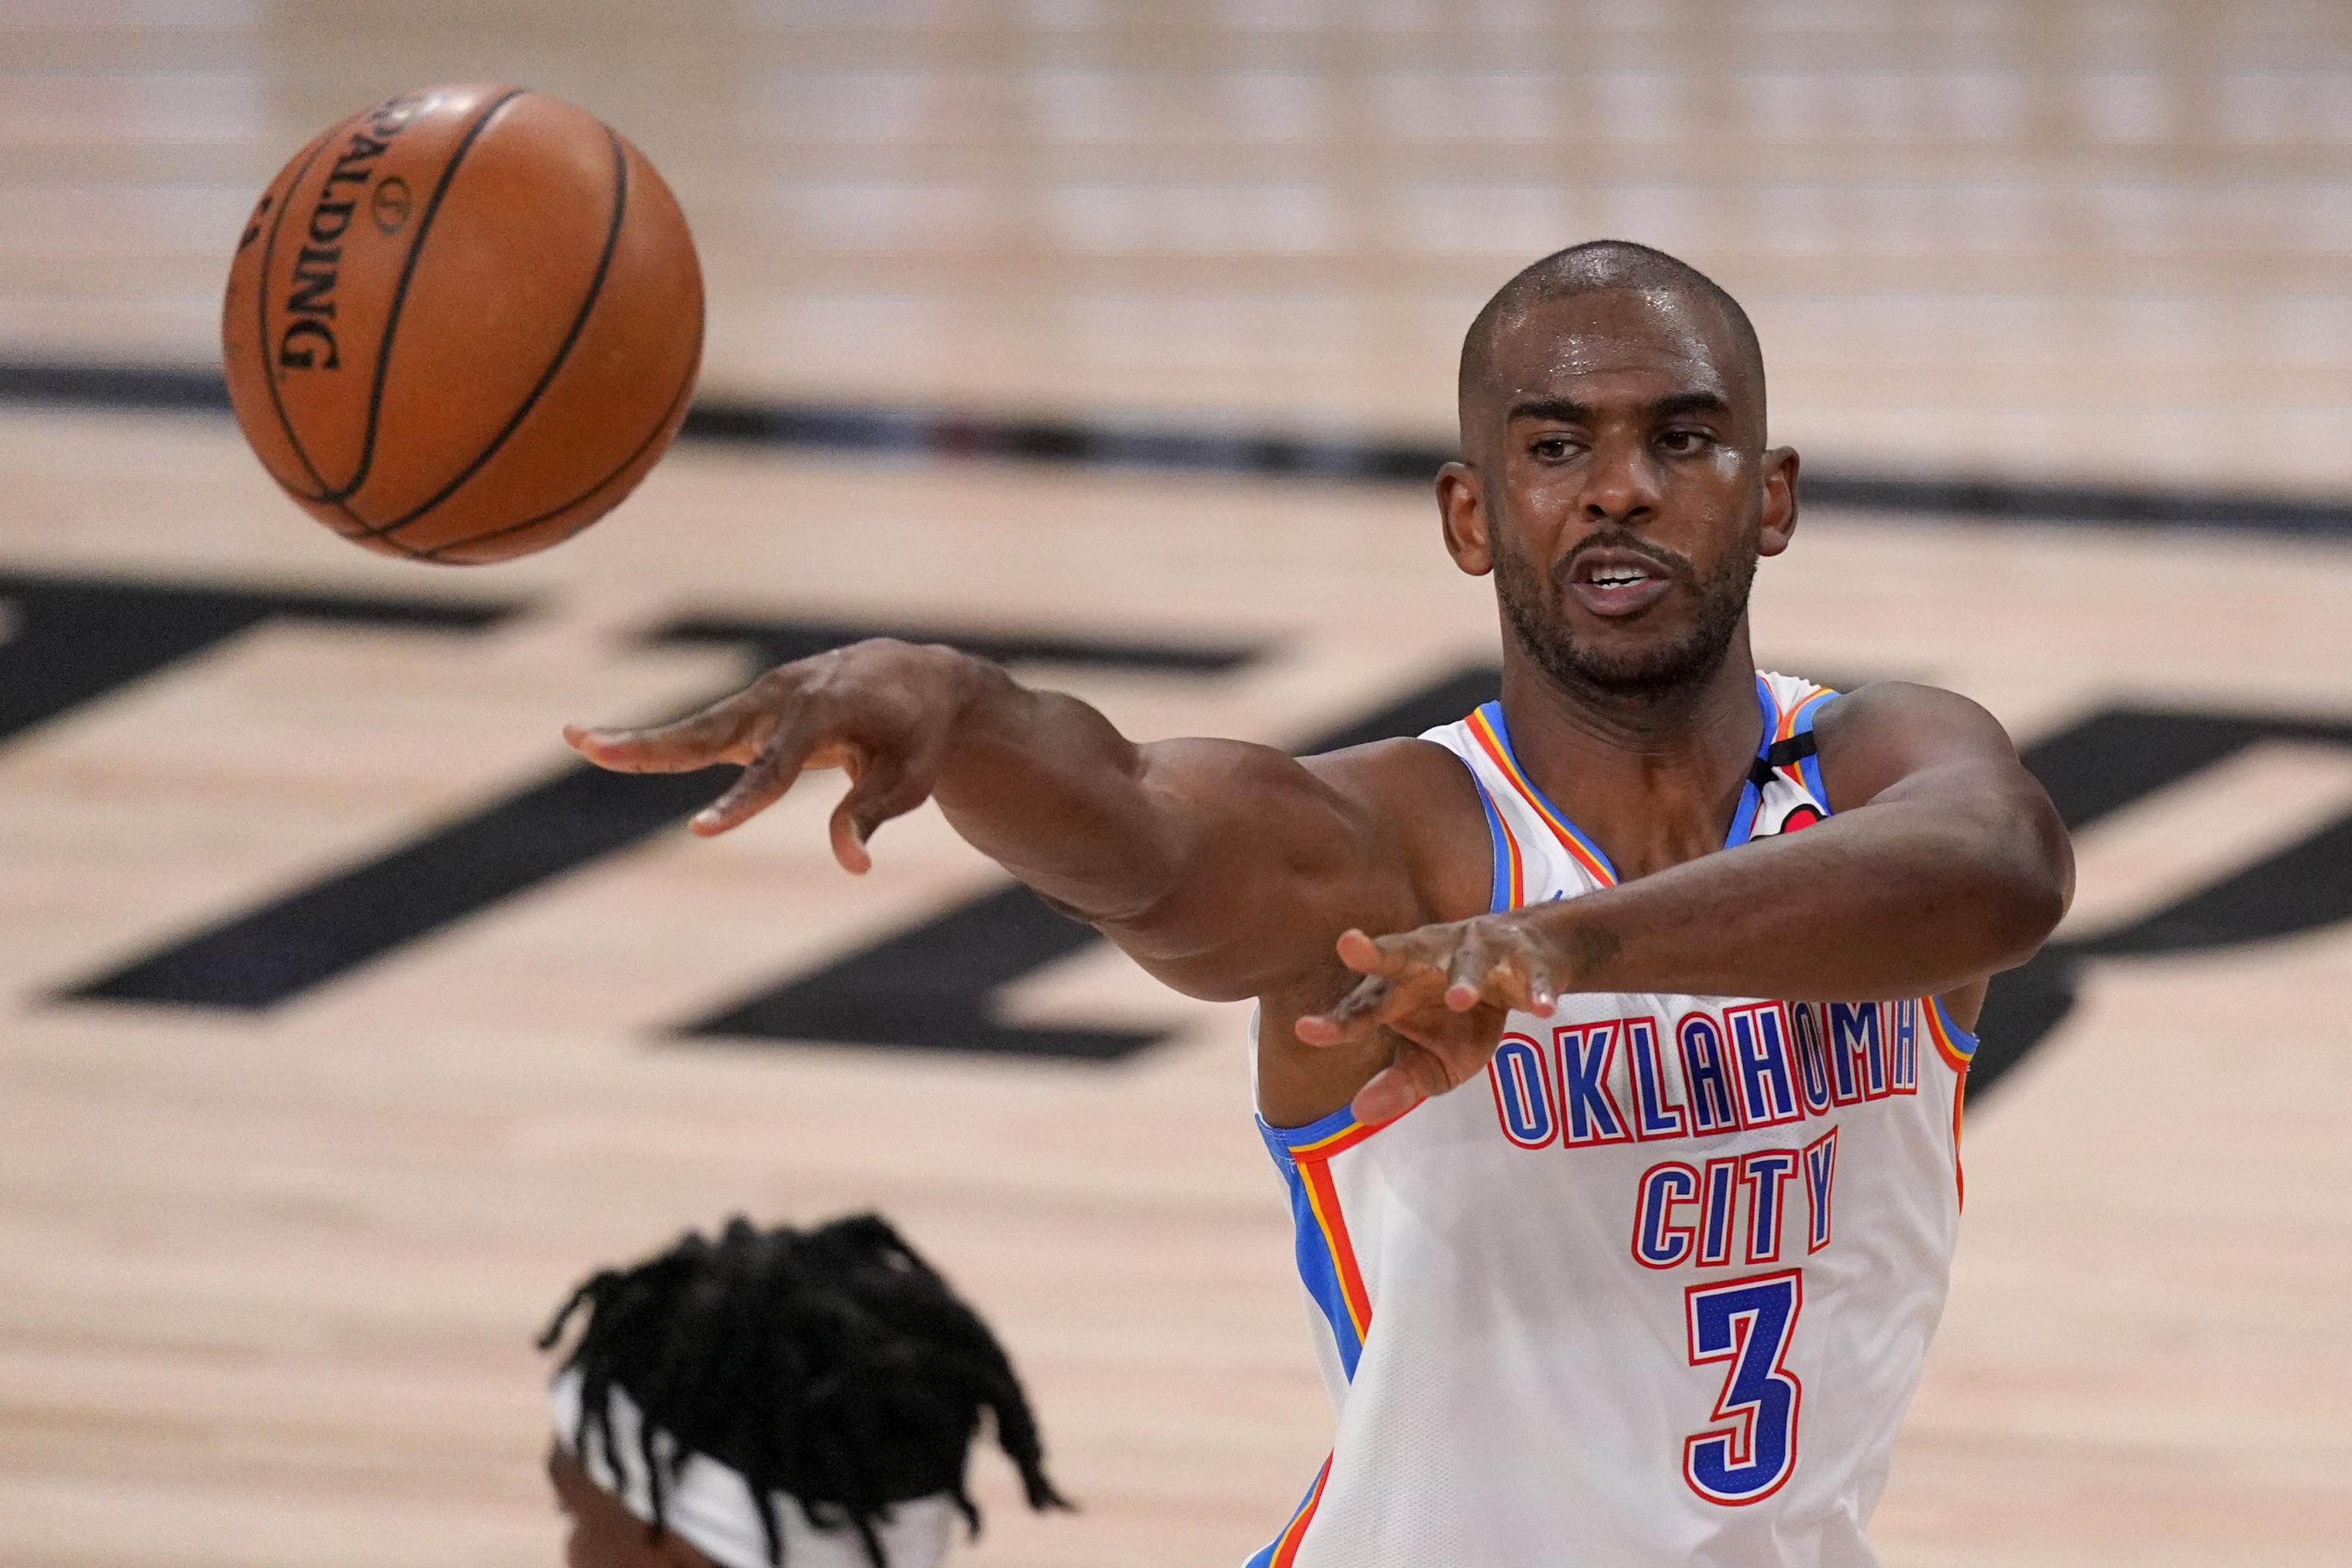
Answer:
[(546, 377), (678, 401), (400, 296), (261, 313)]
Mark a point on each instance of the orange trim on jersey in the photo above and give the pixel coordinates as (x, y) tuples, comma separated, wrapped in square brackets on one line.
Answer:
[(1787, 729), (1960, 1177), (1931, 1013), (1315, 1174), (1332, 1144), (1285, 1545), (1492, 745), (1518, 862)]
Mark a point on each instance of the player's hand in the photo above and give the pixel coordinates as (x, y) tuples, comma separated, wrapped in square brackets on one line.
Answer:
[(882, 708), (1441, 992)]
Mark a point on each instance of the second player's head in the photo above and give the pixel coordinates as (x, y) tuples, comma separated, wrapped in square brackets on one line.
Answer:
[(778, 1397), (1614, 476)]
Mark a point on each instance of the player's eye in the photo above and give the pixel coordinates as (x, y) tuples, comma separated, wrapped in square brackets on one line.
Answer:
[(1682, 442), (1550, 448)]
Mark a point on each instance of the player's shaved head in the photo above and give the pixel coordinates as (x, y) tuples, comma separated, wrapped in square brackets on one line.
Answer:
[(1700, 304), (1612, 418)]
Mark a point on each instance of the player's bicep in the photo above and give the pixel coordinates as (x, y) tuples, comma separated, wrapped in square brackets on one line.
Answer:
[(1271, 857), (1896, 741)]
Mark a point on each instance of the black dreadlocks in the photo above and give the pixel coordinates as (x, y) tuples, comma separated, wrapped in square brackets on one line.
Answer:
[(833, 1365)]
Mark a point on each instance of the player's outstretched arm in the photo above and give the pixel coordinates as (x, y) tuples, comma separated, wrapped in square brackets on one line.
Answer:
[(1944, 862), (1225, 868)]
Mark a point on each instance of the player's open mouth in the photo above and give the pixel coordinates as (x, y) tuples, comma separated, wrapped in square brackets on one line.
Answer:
[(1618, 583)]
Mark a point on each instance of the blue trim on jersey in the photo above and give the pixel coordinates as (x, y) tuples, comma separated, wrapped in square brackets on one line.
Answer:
[(1743, 821), (1319, 1273), (1962, 1038), (1317, 1269), (1751, 799), (1281, 1140), (1810, 768), (1494, 713), (1498, 897), (1264, 1556)]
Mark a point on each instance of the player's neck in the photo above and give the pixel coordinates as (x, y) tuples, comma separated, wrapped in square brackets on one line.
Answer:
[(1655, 779)]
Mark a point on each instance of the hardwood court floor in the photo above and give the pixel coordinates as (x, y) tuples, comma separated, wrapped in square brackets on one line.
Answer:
[(267, 1277), (267, 1281)]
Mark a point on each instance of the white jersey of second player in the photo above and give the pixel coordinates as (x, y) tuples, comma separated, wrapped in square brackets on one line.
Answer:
[(1658, 1290)]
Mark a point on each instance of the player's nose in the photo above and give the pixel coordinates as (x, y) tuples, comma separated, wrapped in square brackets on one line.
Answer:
[(1621, 483)]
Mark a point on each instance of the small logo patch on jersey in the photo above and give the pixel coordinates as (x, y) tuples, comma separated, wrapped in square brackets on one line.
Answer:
[(1798, 818)]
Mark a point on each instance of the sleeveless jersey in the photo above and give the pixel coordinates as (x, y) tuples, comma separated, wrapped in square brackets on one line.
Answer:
[(1657, 1291)]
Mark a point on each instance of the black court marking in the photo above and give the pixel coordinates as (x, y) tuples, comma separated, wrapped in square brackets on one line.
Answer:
[(2113, 758), (559, 823), (77, 639), (932, 986), (952, 435), (555, 364), (305, 938)]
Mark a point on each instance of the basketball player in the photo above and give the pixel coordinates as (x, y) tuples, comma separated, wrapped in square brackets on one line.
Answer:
[(777, 1396), (1657, 1289)]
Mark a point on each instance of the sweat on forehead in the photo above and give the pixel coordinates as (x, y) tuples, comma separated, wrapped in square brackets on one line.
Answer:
[(1611, 265)]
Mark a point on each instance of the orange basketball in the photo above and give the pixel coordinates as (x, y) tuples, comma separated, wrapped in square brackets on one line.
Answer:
[(463, 324)]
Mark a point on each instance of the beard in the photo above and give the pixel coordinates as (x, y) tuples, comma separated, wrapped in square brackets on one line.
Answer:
[(1531, 607)]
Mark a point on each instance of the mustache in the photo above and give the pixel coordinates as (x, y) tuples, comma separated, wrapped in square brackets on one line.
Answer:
[(1676, 566)]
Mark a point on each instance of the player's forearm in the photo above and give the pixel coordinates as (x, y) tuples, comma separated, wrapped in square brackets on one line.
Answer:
[(1047, 787), (1904, 897)]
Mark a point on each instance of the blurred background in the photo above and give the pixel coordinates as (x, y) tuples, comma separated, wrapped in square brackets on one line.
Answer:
[(347, 1023)]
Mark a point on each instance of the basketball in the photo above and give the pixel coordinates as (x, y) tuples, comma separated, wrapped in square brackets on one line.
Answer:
[(463, 323)]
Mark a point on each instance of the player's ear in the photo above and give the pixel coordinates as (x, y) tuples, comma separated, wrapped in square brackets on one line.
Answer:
[(1462, 516), (1780, 500)]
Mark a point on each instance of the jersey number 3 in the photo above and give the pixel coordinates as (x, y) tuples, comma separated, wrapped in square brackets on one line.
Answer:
[(1747, 1322)]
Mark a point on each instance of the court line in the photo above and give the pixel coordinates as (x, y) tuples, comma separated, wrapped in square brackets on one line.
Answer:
[(914, 430)]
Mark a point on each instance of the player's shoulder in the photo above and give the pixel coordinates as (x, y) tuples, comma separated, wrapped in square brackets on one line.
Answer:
[(1407, 771), (1887, 706), (1421, 797), (1877, 733)]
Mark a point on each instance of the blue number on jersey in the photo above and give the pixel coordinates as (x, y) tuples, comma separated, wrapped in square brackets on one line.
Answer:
[(1747, 1322)]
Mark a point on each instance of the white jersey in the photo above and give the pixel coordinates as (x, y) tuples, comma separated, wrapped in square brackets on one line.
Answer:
[(1658, 1290)]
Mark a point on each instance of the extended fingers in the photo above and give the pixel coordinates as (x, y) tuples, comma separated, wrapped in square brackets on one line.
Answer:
[(1402, 974), (764, 782), (1489, 959), (1520, 974), (1496, 961), (1466, 977), (722, 732)]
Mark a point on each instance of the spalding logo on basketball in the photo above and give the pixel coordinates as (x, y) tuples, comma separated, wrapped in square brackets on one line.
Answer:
[(463, 324)]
